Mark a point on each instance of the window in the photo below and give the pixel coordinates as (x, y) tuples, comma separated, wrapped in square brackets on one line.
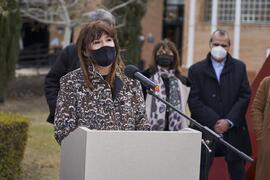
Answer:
[(252, 11)]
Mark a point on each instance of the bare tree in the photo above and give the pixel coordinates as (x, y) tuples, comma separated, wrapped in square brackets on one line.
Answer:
[(68, 13)]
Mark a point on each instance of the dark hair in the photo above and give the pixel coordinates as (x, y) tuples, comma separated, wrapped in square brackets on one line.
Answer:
[(88, 34), (166, 44), (220, 32)]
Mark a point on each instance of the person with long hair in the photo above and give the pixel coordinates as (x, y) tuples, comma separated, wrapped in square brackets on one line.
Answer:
[(66, 61), (98, 95), (166, 72), (260, 110)]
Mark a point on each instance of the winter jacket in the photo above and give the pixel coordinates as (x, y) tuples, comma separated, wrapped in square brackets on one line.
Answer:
[(261, 125), (97, 109), (66, 62), (211, 100)]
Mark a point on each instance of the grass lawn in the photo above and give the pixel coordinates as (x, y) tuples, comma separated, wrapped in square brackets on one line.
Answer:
[(42, 154)]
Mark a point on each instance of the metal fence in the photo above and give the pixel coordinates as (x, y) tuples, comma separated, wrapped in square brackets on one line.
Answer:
[(35, 56)]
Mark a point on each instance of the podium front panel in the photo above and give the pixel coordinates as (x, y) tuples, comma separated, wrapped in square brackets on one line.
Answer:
[(134, 155)]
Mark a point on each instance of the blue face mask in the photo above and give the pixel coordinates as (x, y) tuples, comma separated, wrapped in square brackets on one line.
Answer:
[(103, 56)]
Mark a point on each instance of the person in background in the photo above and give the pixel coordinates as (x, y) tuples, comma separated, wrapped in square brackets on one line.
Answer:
[(98, 95), (66, 62), (165, 71), (219, 97), (260, 110)]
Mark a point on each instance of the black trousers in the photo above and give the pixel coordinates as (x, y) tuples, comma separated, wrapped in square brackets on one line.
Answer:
[(236, 168)]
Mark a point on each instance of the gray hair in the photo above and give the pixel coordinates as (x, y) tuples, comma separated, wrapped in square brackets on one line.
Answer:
[(101, 15)]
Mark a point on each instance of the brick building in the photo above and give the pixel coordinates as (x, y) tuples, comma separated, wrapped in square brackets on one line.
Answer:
[(170, 19)]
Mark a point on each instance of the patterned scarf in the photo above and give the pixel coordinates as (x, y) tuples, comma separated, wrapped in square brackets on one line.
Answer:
[(157, 115)]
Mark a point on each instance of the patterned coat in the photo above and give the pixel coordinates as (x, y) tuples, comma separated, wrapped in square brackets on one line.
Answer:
[(261, 124), (96, 109)]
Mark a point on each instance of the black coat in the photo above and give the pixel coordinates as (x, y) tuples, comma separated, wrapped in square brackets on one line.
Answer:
[(211, 100), (66, 62)]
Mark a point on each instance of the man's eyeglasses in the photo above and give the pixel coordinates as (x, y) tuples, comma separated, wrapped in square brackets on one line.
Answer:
[(222, 45)]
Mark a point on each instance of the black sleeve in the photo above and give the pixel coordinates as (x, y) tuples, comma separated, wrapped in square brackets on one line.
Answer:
[(52, 80), (184, 80), (239, 108)]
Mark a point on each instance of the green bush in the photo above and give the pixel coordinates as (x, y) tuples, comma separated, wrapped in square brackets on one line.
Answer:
[(13, 137)]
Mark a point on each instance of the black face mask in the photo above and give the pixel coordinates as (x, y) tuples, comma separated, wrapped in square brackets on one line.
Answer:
[(164, 60), (103, 56)]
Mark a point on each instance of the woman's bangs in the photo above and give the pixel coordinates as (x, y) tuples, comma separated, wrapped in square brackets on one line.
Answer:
[(95, 31)]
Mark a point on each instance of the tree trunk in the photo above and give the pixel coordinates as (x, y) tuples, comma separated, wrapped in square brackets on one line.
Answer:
[(10, 26), (2, 95), (67, 36)]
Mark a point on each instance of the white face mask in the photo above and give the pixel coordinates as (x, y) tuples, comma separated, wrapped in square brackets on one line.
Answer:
[(218, 53)]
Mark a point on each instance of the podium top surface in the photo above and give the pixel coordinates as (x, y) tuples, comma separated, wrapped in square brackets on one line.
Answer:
[(185, 130)]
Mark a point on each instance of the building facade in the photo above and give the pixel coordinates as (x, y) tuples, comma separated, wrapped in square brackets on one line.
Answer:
[(254, 28)]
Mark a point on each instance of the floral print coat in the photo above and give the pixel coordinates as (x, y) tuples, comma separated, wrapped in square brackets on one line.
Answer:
[(97, 109)]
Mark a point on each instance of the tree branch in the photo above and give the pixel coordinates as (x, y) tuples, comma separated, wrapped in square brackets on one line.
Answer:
[(73, 4), (121, 5), (45, 21), (65, 11)]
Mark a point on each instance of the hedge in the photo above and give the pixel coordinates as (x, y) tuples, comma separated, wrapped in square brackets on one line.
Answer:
[(13, 137)]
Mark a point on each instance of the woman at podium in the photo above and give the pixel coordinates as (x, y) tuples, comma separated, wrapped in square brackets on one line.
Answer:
[(98, 95)]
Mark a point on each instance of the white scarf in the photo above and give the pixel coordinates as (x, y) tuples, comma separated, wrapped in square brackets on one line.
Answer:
[(157, 115)]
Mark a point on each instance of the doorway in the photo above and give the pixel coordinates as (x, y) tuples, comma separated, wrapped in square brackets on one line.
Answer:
[(34, 44), (173, 22)]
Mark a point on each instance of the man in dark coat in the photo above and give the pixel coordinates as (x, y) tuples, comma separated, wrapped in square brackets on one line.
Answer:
[(66, 62), (218, 99)]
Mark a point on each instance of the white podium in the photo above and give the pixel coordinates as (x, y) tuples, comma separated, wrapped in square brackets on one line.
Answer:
[(130, 155)]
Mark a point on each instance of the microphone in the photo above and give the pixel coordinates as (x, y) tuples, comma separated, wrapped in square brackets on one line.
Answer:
[(132, 72)]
